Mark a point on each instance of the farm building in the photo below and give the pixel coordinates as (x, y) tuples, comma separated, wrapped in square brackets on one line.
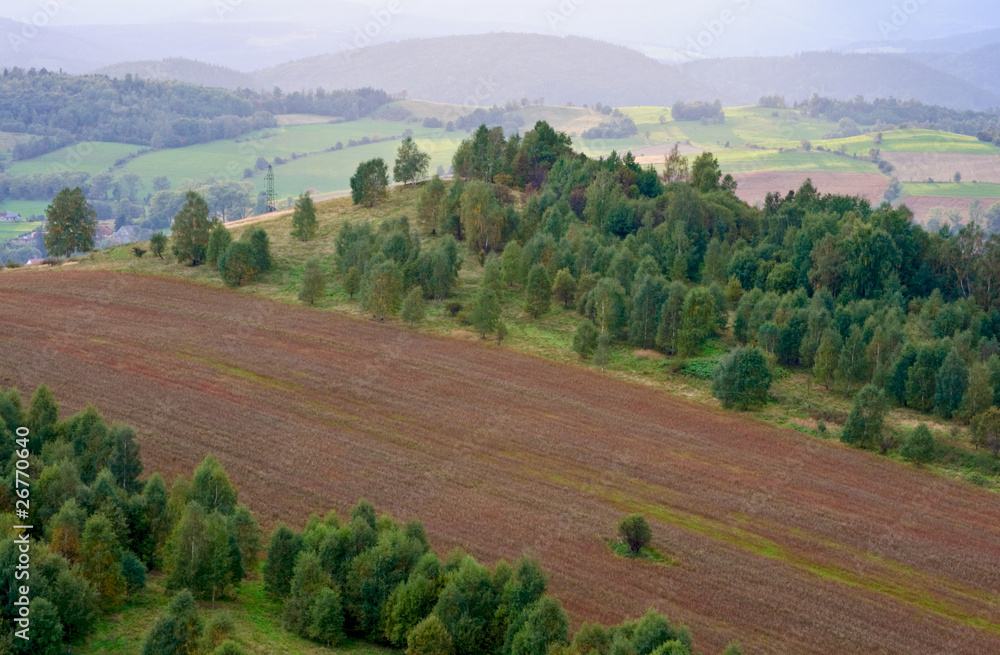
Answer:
[(9, 217)]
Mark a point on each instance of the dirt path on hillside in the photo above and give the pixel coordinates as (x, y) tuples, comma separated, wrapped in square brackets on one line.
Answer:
[(782, 541)]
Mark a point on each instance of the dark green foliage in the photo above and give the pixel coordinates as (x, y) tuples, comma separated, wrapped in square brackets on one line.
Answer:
[(485, 313), (699, 321), (430, 637), (564, 287), (237, 264), (986, 430), (71, 224), (585, 339), (282, 552), (546, 626), (921, 379), (538, 292), (46, 629), (218, 242), (77, 603), (260, 246), (308, 579), (742, 379), (124, 462), (313, 282), (413, 600), (370, 182), (327, 614), (100, 553), (229, 647), (200, 554), (191, 229), (210, 486), (634, 531), (134, 571), (647, 302), (920, 446), (466, 607), (950, 383), (669, 328), (42, 417), (606, 305), (178, 630), (304, 222), (158, 244), (864, 423)]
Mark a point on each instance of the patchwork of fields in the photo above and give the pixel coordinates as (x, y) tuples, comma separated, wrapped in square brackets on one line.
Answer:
[(782, 541)]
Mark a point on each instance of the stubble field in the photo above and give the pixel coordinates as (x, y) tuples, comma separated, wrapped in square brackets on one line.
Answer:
[(780, 540)]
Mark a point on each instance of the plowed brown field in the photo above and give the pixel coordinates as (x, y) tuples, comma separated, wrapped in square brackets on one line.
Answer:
[(754, 187), (785, 542)]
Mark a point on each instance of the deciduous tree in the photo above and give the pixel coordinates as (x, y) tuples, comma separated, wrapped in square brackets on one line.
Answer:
[(304, 222), (71, 225), (191, 229)]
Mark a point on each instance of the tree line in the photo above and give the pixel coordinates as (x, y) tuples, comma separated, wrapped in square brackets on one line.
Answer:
[(60, 108), (99, 529)]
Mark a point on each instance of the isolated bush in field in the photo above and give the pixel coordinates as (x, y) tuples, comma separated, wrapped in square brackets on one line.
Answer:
[(742, 379), (218, 241), (313, 282), (635, 532), (238, 265), (920, 446), (485, 313), (158, 243), (304, 218)]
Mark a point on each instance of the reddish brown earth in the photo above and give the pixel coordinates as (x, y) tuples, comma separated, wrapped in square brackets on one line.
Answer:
[(921, 206), (942, 166), (753, 187), (785, 542)]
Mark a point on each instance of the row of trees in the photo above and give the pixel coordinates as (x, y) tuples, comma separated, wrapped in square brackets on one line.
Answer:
[(370, 182)]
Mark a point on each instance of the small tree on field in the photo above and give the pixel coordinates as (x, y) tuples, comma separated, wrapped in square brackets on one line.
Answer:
[(920, 447), (411, 164), (485, 314), (370, 182), (304, 218), (72, 223), (352, 281), (191, 229), (635, 532), (382, 289), (157, 244), (742, 379), (238, 264), (260, 245), (538, 292), (564, 286), (864, 423), (414, 306), (313, 282)]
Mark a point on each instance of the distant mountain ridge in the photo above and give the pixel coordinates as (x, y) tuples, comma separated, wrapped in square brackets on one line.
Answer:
[(471, 70)]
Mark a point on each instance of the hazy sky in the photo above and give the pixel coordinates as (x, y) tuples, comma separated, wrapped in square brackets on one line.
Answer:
[(717, 27)]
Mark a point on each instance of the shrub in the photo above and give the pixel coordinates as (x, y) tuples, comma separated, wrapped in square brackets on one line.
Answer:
[(742, 379), (635, 532)]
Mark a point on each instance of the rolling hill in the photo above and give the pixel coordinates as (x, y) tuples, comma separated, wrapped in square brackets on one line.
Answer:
[(179, 68), (466, 69), (744, 80), (979, 66)]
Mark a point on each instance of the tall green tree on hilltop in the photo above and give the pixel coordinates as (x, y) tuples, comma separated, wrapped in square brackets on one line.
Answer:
[(411, 163), (370, 182), (72, 223), (304, 218)]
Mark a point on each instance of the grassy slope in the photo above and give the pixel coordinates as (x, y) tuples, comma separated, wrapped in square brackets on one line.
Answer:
[(256, 626), (952, 190), (800, 404)]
